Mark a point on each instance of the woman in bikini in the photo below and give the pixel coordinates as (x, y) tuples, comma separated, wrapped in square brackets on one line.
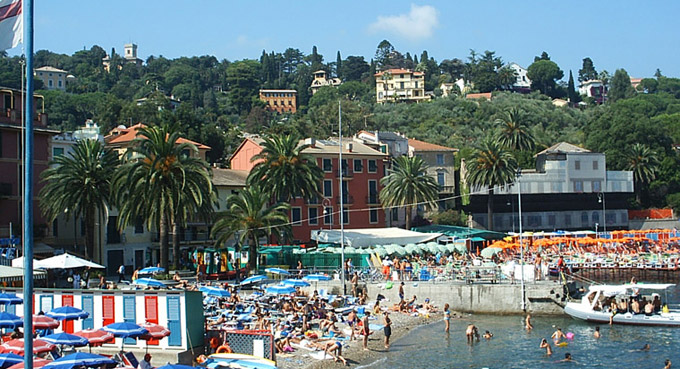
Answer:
[(447, 318)]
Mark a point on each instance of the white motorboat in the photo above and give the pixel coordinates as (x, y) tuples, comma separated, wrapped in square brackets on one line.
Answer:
[(593, 306)]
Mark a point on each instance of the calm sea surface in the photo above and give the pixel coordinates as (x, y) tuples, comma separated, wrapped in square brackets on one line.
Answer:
[(513, 347)]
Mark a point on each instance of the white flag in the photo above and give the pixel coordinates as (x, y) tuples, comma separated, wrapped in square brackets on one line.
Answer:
[(11, 24)]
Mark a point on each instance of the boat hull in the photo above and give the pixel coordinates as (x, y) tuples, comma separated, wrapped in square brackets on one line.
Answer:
[(579, 311)]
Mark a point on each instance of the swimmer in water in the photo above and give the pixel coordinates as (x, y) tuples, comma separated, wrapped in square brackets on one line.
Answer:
[(471, 333), (597, 332), (646, 347), (558, 335), (527, 323), (447, 318), (567, 357), (487, 335), (667, 364), (544, 344)]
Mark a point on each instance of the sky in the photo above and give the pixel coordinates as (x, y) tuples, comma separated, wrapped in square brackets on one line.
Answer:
[(639, 36)]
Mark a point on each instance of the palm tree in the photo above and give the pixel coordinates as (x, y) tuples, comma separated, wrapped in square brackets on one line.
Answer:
[(250, 214), (408, 184), (161, 182), (491, 165), (643, 162), (284, 171), (514, 134), (79, 184)]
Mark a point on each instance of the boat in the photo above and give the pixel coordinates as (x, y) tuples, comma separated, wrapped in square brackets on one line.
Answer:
[(593, 306), (240, 361)]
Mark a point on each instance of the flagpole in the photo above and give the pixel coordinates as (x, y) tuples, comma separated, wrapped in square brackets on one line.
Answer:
[(28, 187)]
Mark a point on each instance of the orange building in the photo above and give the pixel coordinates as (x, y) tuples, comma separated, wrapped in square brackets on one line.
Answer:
[(281, 101)]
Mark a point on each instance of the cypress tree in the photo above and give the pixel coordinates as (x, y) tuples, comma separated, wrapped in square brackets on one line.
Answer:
[(338, 64)]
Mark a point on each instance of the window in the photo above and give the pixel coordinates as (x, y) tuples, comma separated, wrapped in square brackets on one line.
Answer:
[(345, 193), (327, 165), (440, 159), (401, 76), (401, 85), (395, 214), (55, 228), (584, 218), (578, 186), (313, 215), (372, 166), (328, 215), (59, 84), (358, 165), (344, 166), (535, 220), (373, 216), (440, 179), (610, 218), (49, 82), (327, 188), (577, 164), (57, 152), (551, 220), (345, 216), (595, 164), (372, 191), (416, 84), (296, 216), (139, 225), (597, 186), (567, 220), (556, 187), (596, 217)]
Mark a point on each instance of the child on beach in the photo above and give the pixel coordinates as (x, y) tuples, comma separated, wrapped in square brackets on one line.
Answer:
[(447, 318)]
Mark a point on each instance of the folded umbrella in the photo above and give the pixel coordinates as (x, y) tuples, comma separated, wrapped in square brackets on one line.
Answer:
[(152, 270), (148, 282)]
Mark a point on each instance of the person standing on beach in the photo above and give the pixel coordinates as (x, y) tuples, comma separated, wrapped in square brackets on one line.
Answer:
[(334, 348), (366, 329), (387, 329), (527, 323), (355, 284), (447, 318), (401, 292)]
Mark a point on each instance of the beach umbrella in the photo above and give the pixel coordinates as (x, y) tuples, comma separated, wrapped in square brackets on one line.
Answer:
[(214, 291), (295, 283), (66, 261), (95, 337), (16, 346), (316, 278), (278, 271), (280, 289), (68, 313), (37, 363), (490, 251), (9, 320), (10, 359), (254, 279), (151, 270), (80, 359), (44, 322), (65, 339), (155, 332), (148, 282), (10, 299), (125, 330)]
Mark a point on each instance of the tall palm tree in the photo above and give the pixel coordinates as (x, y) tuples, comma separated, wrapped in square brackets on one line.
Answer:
[(250, 214), (643, 162), (514, 134), (284, 171), (79, 184), (491, 165), (159, 179), (408, 184)]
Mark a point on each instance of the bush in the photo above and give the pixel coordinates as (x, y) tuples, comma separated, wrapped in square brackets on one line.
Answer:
[(450, 217)]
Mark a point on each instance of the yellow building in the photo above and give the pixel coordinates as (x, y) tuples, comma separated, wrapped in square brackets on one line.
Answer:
[(281, 101), (400, 85), (52, 78), (320, 80)]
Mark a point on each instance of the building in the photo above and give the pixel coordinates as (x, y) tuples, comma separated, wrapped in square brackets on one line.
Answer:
[(120, 139), (320, 80), (400, 85), (53, 78), (362, 169), (570, 189), (522, 83), (441, 165), (11, 160), (635, 82), (454, 88), (129, 57), (391, 143), (479, 96), (280, 101), (228, 182), (594, 88)]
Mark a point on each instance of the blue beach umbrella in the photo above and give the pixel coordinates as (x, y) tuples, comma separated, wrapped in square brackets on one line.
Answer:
[(79, 359), (295, 283), (280, 289), (277, 271), (66, 339), (151, 270), (148, 282), (316, 278), (254, 279), (8, 320), (67, 313), (10, 299), (125, 330), (214, 291), (9, 359), (175, 366)]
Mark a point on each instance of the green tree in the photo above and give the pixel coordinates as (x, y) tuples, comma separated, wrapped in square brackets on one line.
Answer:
[(338, 64), (243, 83), (543, 75), (160, 177), (490, 166), (250, 214), (354, 68), (621, 87), (643, 162), (383, 54), (587, 71), (514, 134), (572, 95), (284, 171), (408, 184), (79, 185)]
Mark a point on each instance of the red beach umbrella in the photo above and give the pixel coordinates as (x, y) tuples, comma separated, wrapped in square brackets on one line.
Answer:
[(37, 363), (16, 346), (96, 337), (44, 322), (155, 331)]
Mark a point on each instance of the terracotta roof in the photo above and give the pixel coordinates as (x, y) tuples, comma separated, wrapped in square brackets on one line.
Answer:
[(399, 71), (418, 145), (119, 136), (485, 95), (229, 177)]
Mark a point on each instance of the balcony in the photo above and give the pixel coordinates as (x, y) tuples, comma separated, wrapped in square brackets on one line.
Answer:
[(346, 173), (346, 199), (447, 189)]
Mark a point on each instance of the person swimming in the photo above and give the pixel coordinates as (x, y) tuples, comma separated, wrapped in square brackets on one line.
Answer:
[(544, 344), (487, 335), (646, 347), (597, 332)]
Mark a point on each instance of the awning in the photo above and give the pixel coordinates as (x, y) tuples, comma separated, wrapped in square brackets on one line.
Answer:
[(9, 273), (373, 236)]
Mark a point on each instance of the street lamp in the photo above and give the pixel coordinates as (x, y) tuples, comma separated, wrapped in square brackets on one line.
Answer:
[(601, 199)]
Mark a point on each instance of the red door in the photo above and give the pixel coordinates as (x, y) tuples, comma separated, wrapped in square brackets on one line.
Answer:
[(67, 325), (151, 313), (108, 312)]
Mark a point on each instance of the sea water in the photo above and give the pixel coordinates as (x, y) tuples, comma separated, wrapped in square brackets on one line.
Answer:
[(513, 347)]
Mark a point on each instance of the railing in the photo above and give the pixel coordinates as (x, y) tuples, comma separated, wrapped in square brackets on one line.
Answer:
[(345, 173), (447, 189)]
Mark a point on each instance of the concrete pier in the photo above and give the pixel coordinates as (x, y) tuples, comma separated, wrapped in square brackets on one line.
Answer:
[(542, 298)]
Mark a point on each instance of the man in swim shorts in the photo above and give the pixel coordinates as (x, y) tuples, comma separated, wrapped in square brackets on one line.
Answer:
[(334, 348)]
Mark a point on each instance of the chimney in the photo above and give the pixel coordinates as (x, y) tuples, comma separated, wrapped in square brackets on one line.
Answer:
[(350, 146)]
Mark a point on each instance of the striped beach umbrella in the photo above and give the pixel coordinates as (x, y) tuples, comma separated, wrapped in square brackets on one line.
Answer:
[(44, 322), (16, 346), (11, 321), (68, 313)]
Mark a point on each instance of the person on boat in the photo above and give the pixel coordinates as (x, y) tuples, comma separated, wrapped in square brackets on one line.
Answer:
[(597, 332), (558, 335), (657, 304), (527, 323), (544, 344), (447, 318), (635, 306), (334, 348), (649, 308)]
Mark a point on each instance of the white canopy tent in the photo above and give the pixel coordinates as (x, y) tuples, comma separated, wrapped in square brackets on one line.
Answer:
[(366, 237), (63, 261)]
